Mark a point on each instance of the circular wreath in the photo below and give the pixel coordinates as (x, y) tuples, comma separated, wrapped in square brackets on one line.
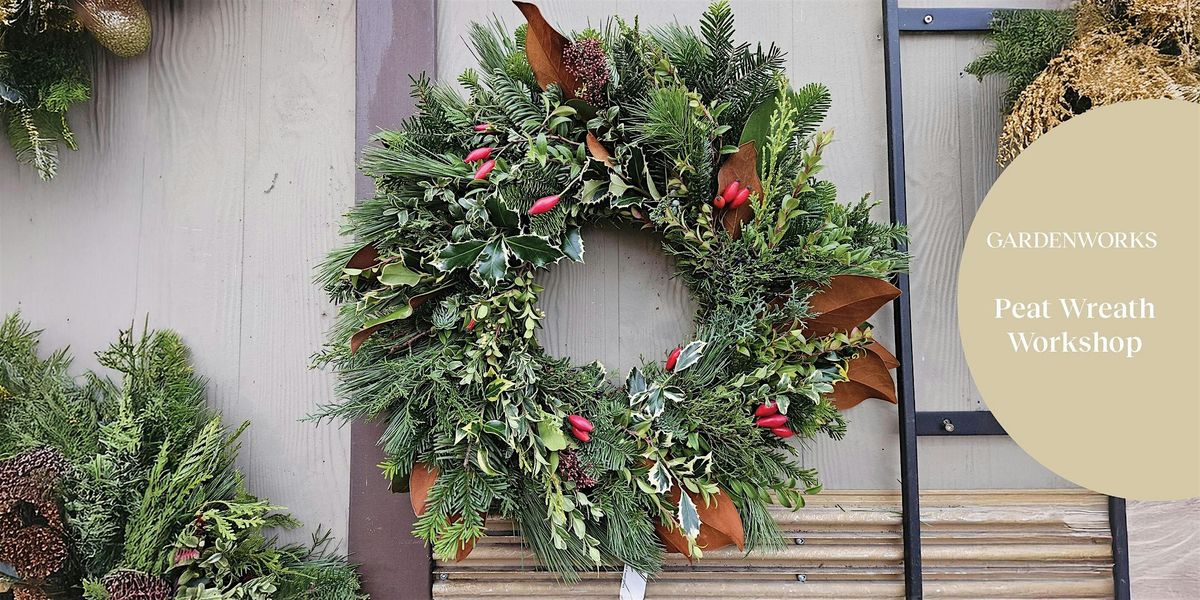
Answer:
[(690, 134)]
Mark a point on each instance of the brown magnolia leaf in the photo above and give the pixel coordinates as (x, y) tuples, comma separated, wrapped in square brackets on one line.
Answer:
[(419, 483), (740, 166), (464, 551), (361, 336), (889, 360), (868, 378), (544, 49), (598, 151), (365, 258), (720, 525), (846, 303)]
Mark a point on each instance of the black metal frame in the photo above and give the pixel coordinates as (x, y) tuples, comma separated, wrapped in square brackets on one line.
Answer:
[(897, 20)]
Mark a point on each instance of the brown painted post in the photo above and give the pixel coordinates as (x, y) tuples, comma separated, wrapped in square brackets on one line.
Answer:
[(394, 39)]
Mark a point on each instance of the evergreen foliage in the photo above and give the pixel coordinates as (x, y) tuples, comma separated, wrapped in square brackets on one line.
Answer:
[(151, 499), (1059, 64), (1024, 42), (42, 73), (439, 306)]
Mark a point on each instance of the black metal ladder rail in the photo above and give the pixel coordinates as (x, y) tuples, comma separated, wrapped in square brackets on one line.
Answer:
[(913, 424)]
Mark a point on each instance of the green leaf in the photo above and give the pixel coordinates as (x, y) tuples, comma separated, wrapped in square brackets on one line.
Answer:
[(635, 383), (655, 404), (690, 354), (572, 245), (495, 427), (759, 124), (533, 249), (398, 273), (551, 434), (660, 478), (502, 216), (493, 263), (593, 191), (460, 255), (404, 312), (616, 186), (689, 517)]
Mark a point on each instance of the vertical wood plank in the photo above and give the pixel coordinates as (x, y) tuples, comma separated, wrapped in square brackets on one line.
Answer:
[(299, 178), (204, 71), (394, 39), (69, 247)]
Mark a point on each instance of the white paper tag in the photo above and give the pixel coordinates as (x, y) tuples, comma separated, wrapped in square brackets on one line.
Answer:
[(633, 584)]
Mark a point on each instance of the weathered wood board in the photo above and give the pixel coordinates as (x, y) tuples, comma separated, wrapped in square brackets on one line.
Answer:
[(208, 184)]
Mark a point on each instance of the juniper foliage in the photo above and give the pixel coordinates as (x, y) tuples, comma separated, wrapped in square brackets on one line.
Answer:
[(152, 477)]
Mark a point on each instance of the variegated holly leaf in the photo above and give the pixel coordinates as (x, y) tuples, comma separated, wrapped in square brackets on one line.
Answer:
[(660, 477), (533, 249), (655, 401), (461, 254), (689, 518), (690, 354), (493, 263), (635, 383), (572, 245)]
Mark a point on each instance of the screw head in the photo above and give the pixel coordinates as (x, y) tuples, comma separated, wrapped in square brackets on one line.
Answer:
[(948, 425), (801, 578), (443, 576), (928, 19), (799, 541)]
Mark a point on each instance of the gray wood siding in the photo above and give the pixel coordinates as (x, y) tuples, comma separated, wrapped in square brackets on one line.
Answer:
[(212, 173), (209, 182)]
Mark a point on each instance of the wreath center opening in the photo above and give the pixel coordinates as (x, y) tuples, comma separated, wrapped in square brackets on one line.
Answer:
[(623, 303)]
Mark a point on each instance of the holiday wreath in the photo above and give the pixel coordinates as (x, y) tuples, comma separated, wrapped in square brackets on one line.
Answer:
[(690, 134), (1061, 63)]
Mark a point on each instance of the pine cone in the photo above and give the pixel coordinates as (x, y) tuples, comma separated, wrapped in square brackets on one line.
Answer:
[(135, 585), (585, 60), (122, 26), (28, 593), (36, 552), (31, 539), (31, 478)]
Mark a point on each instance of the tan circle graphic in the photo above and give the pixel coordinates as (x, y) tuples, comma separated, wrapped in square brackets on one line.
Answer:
[(1079, 300)]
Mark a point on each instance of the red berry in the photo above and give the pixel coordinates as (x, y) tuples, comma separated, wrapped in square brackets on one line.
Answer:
[(765, 410), (543, 205), (731, 191), (771, 421), (482, 127), (580, 423), (484, 169), (672, 358), (580, 435), (783, 432), (719, 202), (478, 154), (471, 325), (740, 199)]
